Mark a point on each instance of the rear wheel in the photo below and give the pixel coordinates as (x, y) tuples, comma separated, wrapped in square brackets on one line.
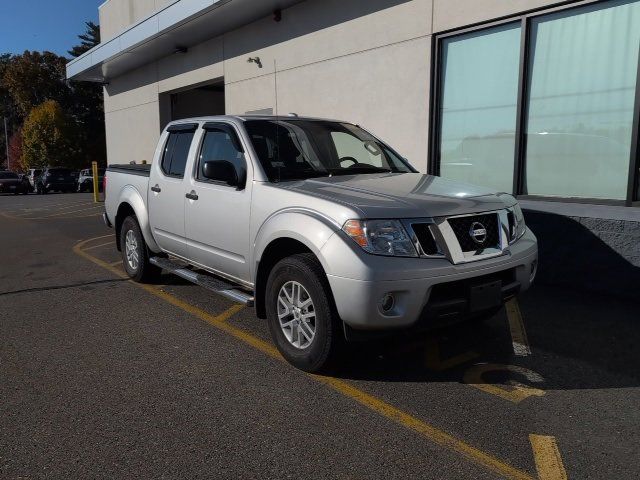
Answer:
[(303, 322), (135, 254)]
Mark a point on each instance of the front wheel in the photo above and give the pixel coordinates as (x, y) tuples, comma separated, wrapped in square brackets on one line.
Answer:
[(303, 322), (135, 255)]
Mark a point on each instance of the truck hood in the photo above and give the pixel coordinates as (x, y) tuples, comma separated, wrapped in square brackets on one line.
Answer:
[(402, 195)]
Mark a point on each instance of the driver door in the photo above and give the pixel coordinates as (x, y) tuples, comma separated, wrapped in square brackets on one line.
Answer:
[(217, 215)]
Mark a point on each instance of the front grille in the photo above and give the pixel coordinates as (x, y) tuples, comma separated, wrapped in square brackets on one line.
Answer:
[(425, 237), (462, 228), (449, 291)]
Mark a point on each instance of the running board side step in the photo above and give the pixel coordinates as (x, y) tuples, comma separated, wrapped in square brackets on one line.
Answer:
[(214, 284)]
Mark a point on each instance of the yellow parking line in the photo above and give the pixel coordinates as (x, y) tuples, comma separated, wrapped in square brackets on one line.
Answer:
[(98, 246), (518, 333), (367, 400), (547, 456), (74, 205), (115, 264), (75, 211), (86, 242), (433, 360)]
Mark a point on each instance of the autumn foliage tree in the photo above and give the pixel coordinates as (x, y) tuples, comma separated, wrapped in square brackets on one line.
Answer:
[(34, 77), (35, 94), (47, 139), (15, 151)]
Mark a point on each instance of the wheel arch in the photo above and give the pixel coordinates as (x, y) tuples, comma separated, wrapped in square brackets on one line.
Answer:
[(131, 203), (277, 250)]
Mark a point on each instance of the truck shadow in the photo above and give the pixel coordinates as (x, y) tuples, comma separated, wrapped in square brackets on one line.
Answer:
[(577, 341)]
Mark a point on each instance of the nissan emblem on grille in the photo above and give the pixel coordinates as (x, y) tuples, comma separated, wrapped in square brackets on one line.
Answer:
[(478, 232)]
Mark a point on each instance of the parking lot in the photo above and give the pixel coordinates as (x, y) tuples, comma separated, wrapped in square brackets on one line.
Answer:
[(105, 378)]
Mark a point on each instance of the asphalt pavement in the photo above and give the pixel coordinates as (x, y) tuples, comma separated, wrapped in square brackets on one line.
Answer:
[(104, 378)]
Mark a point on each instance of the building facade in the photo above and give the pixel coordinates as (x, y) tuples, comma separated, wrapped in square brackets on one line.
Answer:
[(538, 98)]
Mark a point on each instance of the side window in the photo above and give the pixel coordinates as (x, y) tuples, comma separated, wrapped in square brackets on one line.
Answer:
[(348, 146), (176, 153), (221, 144)]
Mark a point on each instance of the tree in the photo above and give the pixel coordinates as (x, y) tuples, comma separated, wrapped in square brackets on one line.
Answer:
[(15, 152), (47, 137), (88, 107), (7, 107), (33, 78), (90, 39)]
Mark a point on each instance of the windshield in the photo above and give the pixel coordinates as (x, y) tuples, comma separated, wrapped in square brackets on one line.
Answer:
[(291, 149), (7, 175)]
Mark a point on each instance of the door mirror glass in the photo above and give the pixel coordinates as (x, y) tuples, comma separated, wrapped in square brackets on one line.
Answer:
[(220, 171)]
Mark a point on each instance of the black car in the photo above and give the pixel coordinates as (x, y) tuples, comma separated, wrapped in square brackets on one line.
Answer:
[(12, 183), (55, 179)]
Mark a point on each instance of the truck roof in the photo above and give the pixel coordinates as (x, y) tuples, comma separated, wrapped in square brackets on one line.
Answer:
[(243, 118)]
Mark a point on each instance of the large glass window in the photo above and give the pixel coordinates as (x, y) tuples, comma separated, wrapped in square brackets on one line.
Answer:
[(577, 112), (478, 106), (582, 85)]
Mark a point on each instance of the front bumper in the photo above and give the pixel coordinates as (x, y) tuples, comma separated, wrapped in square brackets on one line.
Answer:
[(424, 290)]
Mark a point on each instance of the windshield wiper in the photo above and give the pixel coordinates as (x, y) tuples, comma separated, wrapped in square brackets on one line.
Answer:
[(286, 175), (358, 170)]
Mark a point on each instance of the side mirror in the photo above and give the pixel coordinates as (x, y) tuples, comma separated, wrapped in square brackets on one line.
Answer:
[(221, 171)]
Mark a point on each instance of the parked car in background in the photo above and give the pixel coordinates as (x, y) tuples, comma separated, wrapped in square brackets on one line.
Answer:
[(85, 180), (76, 176), (55, 179), (12, 183), (32, 175)]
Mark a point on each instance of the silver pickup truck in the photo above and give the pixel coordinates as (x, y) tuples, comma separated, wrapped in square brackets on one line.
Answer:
[(319, 225)]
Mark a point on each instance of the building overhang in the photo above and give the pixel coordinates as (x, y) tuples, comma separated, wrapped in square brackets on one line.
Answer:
[(175, 28)]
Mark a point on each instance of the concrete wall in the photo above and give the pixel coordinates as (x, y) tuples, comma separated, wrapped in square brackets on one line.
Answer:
[(365, 62), (587, 253), (116, 15)]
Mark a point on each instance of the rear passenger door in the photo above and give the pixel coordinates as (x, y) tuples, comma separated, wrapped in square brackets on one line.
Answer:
[(167, 185)]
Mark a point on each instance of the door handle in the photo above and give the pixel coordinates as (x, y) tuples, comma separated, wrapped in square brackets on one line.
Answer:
[(192, 195), (156, 189)]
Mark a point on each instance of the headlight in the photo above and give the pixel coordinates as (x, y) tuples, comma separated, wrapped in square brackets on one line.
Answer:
[(381, 237), (517, 226)]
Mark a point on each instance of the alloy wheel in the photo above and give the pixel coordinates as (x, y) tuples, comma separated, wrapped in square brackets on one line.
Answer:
[(296, 314), (131, 250)]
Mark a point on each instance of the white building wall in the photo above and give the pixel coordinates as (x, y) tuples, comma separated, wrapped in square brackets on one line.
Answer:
[(364, 62)]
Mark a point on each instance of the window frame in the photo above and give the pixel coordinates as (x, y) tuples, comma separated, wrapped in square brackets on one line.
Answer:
[(230, 130), (179, 128), (519, 170)]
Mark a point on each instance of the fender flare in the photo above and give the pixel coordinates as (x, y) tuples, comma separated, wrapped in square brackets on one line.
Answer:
[(279, 225), (131, 196)]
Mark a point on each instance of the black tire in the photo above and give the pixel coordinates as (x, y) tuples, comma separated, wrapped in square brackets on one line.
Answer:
[(323, 351), (144, 271)]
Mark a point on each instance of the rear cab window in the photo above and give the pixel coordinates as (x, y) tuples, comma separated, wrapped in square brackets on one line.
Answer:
[(176, 150)]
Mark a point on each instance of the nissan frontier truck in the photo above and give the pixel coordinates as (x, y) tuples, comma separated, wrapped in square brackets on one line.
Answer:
[(324, 229)]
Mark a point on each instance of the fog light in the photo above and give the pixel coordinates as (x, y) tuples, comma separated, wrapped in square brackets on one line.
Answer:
[(387, 303)]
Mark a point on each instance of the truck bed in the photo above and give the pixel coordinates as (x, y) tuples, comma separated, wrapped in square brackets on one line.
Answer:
[(131, 168)]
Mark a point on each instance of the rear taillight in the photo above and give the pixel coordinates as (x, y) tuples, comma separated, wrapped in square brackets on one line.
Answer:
[(104, 184)]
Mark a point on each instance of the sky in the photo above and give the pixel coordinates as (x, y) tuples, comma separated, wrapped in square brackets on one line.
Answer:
[(44, 24)]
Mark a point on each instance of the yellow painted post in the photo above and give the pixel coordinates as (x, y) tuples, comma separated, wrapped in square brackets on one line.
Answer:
[(96, 191)]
